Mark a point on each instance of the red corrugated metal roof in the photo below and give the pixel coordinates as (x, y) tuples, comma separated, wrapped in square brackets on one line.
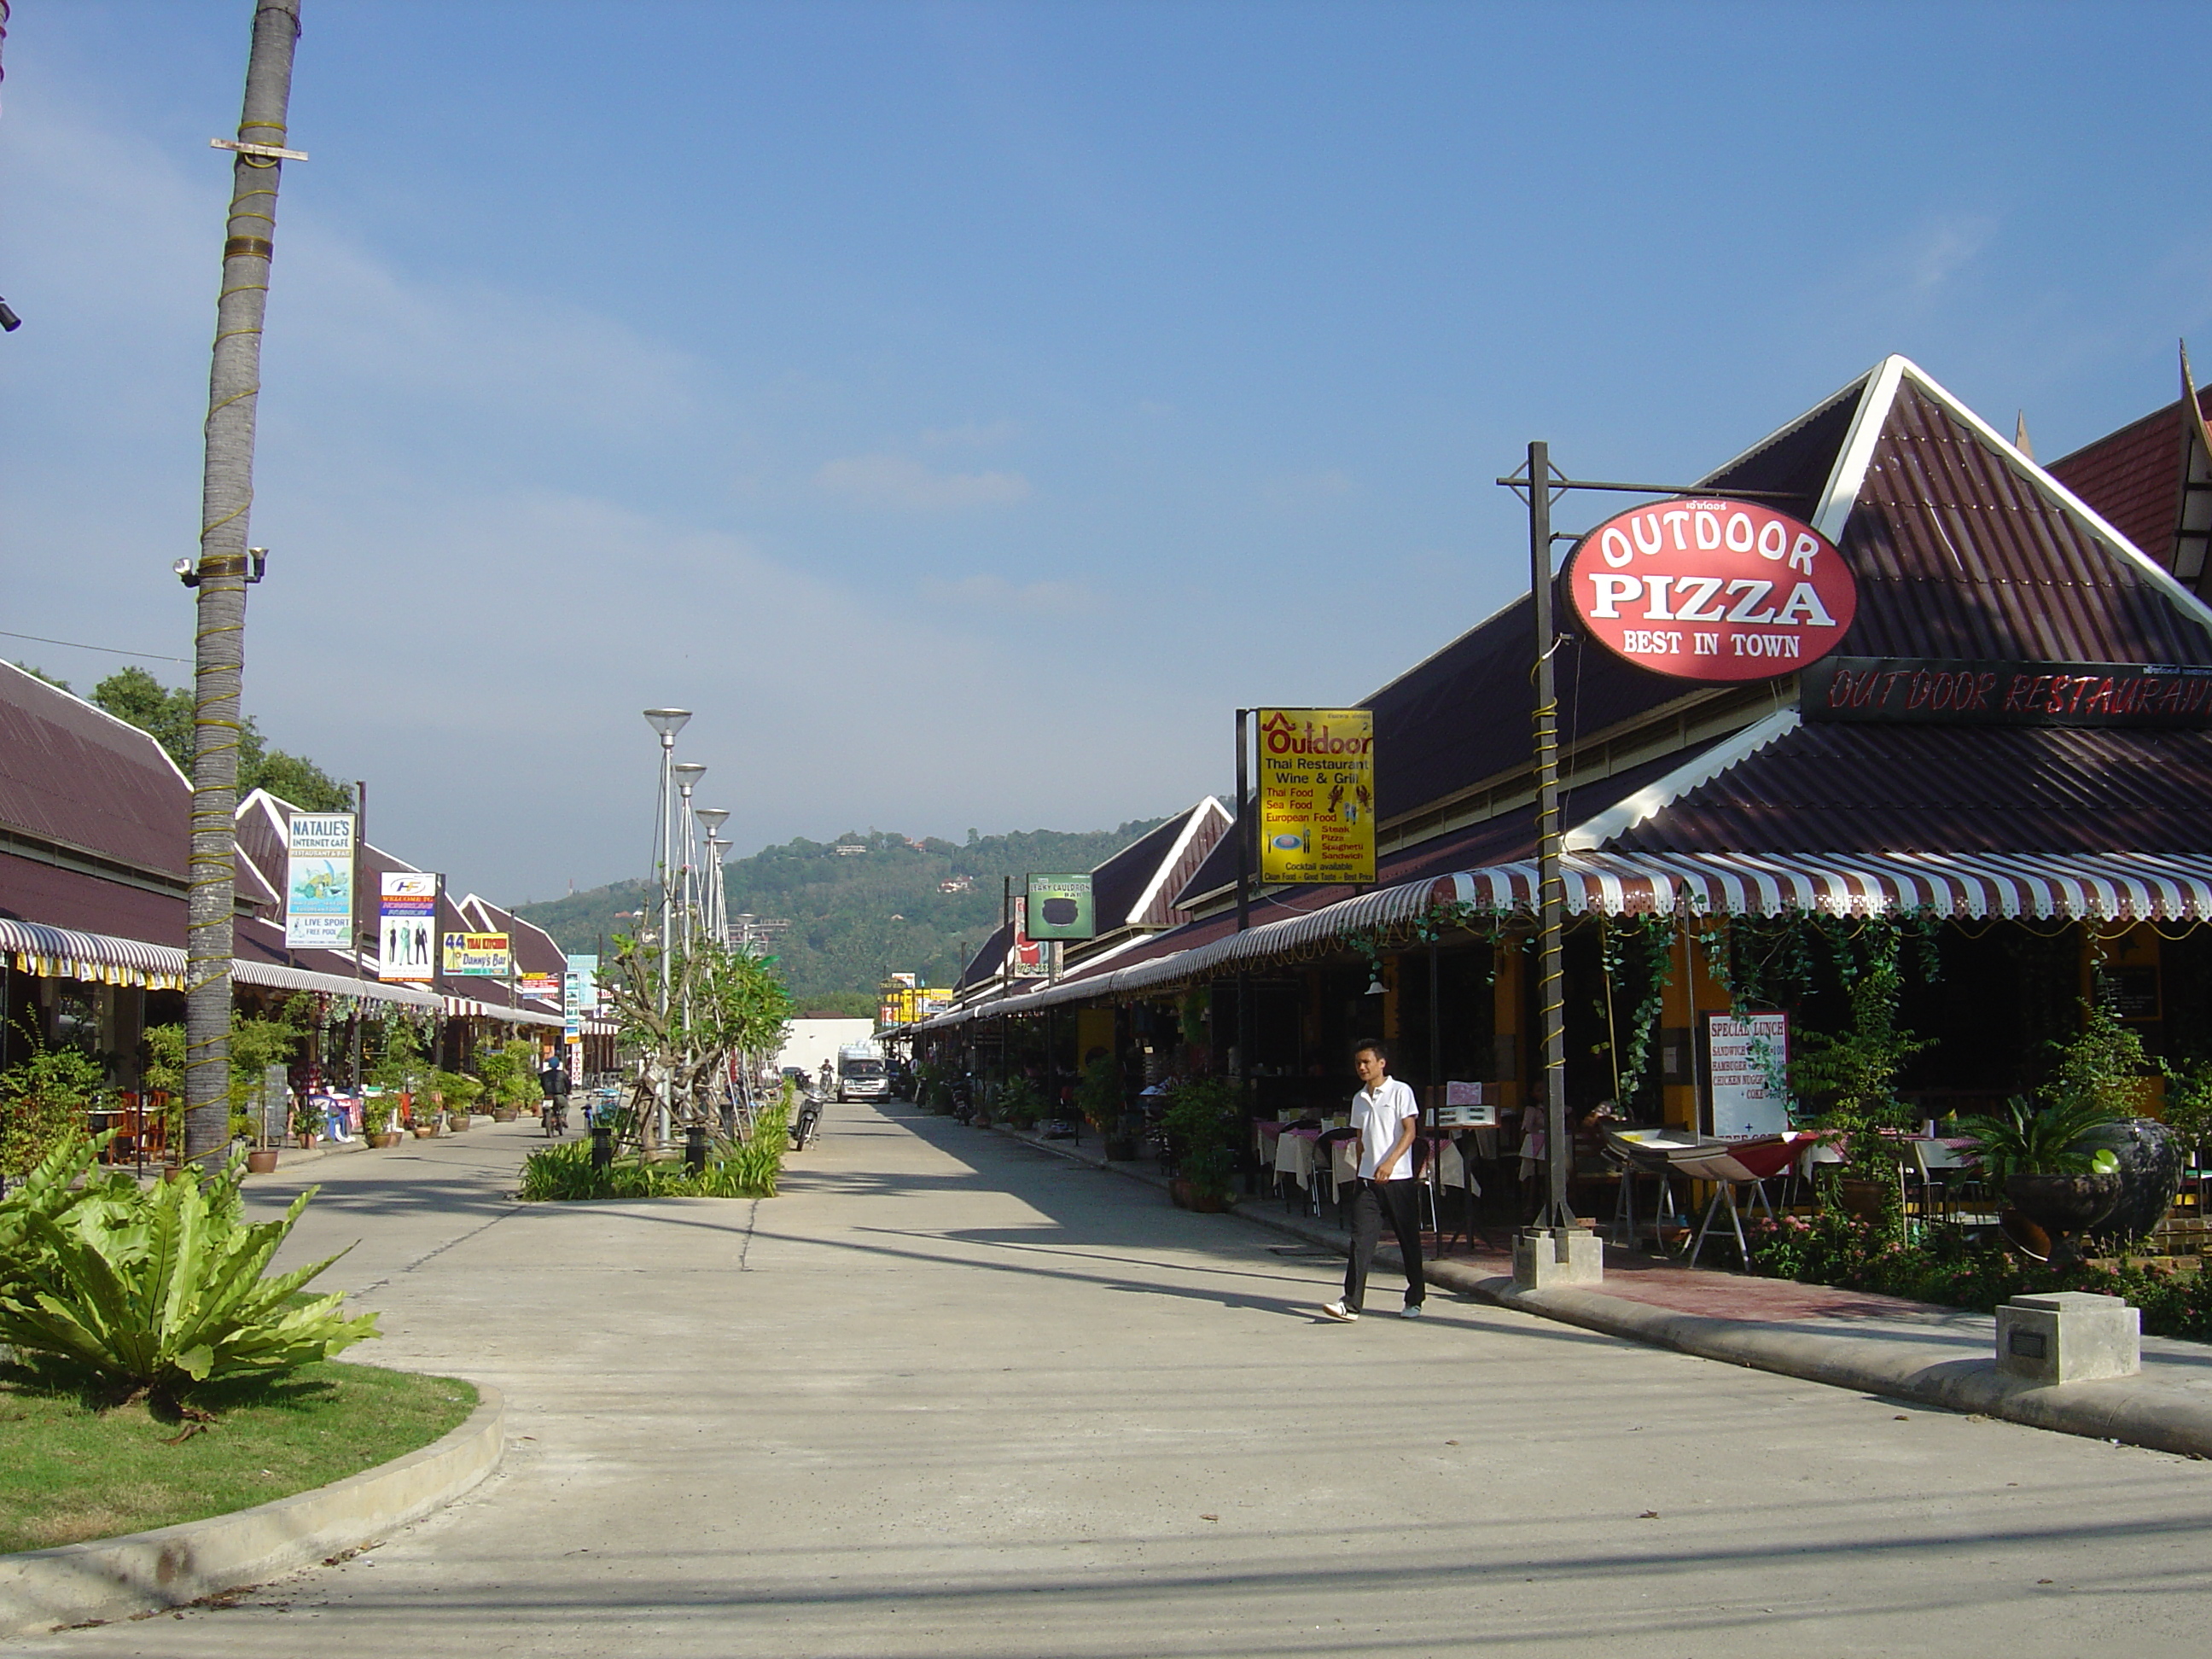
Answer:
[(2132, 476), (1851, 789), (1957, 555), (72, 775), (32, 891)]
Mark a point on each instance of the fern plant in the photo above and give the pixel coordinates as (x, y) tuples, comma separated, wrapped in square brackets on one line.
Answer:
[(2030, 1142), (154, 1290)]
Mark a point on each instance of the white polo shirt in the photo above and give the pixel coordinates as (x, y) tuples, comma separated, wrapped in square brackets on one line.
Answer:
[(1378, 1114)]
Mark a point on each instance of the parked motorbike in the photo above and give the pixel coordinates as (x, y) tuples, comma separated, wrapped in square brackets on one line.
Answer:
[(963, 1098), (808, 1123)]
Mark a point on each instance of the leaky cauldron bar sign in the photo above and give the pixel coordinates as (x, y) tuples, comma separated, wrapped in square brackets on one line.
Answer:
[(1928, 692), (1712, 589)]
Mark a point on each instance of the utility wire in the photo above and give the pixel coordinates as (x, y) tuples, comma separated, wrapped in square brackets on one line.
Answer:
[(144, 656)]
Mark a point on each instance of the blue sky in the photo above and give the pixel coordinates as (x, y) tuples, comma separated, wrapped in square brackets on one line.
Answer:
[(963, 408)]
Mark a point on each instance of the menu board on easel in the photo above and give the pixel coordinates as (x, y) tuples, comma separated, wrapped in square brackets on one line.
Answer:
[(1747, 1068)]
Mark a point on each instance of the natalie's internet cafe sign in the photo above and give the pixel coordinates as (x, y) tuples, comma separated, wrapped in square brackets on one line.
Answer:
[(1711, 589)]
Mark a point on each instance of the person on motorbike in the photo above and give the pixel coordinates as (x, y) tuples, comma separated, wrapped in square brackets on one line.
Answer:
[(554, 1080)]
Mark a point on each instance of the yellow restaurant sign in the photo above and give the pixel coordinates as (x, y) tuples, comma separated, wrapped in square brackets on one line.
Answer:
[(476, 955), (1316, 795)]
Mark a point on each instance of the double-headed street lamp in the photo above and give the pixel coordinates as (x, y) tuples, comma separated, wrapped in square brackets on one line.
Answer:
[(714, 905), (667, 722)]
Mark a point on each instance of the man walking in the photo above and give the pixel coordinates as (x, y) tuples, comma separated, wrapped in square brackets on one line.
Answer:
[(1386, 1118)]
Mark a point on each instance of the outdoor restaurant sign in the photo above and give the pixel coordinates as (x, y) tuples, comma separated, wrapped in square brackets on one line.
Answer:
[(1711, 589), (1316, 795), (1922, 691)]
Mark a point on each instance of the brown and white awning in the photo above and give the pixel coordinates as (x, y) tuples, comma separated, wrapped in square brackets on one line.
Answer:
[(2104, 888)]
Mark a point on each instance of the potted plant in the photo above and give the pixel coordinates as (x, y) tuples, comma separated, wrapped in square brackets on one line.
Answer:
[(1855, 1072), (306, 1122), (2037, 1159), (397, 1074), (1202, 1123), (459, 1090), (1098, 1096), (377, 1110), (1019, 1103)]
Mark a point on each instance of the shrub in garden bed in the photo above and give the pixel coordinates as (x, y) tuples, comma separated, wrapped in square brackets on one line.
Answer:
[(741, 1168), (1954, 1269), (156, 1292)]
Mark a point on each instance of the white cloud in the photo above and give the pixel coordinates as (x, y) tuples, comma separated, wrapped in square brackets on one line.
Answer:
[(987, 593), (901, 483), (1944, 249), (1299, 491), (971, 434)]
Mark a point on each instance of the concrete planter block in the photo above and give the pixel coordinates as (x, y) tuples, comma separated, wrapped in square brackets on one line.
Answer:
[(2070, 1336), (1558, 1255)]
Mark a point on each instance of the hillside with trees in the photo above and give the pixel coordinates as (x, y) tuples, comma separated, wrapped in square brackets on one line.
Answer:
[(855, 917)]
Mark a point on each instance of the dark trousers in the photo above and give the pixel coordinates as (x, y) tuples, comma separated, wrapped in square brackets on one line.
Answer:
[(1401, 1203)]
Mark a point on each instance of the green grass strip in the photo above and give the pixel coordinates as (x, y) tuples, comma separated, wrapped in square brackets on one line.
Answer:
[(70, 1472)]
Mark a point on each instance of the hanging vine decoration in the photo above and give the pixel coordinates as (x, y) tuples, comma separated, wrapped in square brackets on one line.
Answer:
[(1642, 947)]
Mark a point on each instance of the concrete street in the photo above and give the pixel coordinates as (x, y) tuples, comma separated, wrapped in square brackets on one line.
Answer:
[(951, 1395)]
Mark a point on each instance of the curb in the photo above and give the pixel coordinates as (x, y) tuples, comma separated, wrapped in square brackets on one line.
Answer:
[(2129, 1410), (146, 1571), (2124, 1409)]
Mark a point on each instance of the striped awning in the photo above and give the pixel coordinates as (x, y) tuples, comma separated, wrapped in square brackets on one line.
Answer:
[(64, 953), (469, 1008), (277, 975), (2109, 887)]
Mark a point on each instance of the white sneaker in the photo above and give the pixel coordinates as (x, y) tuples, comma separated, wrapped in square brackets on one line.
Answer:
[(1411, 1310), (1339, 1313)]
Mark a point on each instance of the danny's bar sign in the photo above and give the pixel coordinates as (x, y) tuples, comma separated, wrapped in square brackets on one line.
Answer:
[(476, 956), (1930, 692)]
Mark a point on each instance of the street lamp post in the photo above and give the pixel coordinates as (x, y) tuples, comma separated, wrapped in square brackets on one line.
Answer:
[(688, 772), (716, 901), (667, 722)]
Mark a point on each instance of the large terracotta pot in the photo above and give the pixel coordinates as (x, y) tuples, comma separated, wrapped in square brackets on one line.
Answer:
[(384, 1138), (424, 1131), (261, 1160), (456, 1122), (2065, 1206), (502, 1113), (1864, 1198), (2151, 1160), (1186, 1196)]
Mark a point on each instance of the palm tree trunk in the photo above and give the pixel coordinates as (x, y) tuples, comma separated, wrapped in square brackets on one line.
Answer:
[(226, 496)]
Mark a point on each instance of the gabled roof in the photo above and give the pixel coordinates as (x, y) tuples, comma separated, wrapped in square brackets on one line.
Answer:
[(536, 951), (2152, 481), (76, 777), (1136, 887), (1962, 545)]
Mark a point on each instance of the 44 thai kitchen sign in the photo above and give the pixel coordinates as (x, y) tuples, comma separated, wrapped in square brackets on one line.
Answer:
[(476, 956), (1316, 795), (1712, 590), (319, 880)]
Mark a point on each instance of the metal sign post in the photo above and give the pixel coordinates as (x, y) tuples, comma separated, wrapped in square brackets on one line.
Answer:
[(1540, 483)]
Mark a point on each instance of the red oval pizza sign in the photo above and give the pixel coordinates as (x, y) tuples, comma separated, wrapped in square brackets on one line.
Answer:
[(1712, 589)]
